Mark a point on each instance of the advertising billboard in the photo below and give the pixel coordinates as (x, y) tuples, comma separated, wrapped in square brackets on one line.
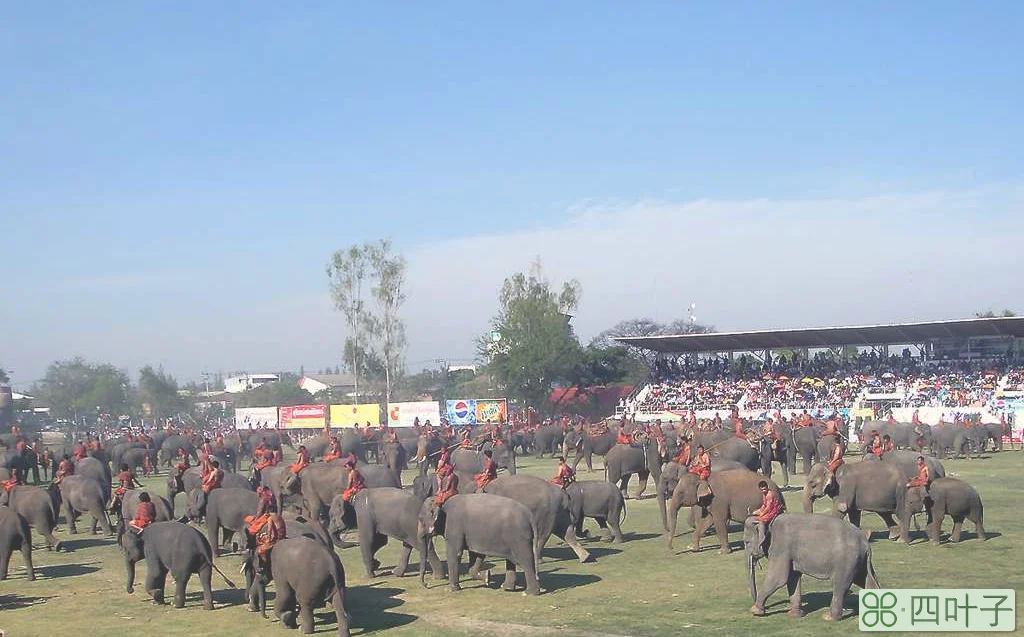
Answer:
[(404, 414), (461, 412), (303, 416), (348, 415), (256, 418), (491, 411)]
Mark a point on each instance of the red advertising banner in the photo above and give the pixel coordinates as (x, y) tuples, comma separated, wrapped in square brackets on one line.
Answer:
[(303, 417)]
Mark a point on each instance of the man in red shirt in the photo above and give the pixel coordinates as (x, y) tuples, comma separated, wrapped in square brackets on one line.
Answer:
[(835, 460), (924, 476), (448, 484), (334, 450), (771, 507), (565, 474), (126, 480), (65, 468), (145, 513), (301, 460), (489, 473), (213, 479), (356, 482)]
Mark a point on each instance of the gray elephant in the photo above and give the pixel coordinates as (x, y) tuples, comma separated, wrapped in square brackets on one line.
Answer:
[(170, 446), (771, 451), (427, 451), (549, 505), (79, 494), (824, 547), (952, 497), (485, 525), (804, 440), (271, 478), (15, 535), (670, 474), (583, 446), (548, 439), (383, 513), (90, 467), (601, 501), (38, 507), (957, 440), (734, 493), (321, 481), (306, 574), (879, 487), (394, 456), (130, 502), (168, 547), (472, 461), (135, 458), (907, 462), (117, 452), (192, 479), (622, 461), (224, 511)]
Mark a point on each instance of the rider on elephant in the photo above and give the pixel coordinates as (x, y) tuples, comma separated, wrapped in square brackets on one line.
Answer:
[(701, 468), (622, 438), (445, 458), (264, 530), (835, 460), (79, 451), (489, 473), (145, 513), (923, 477), (214, 478), (126, 480), (771, 507), (334, 450), (831, 427), (301, 460), (205, 455), (683, 457), (448, 484), (65, 468), (887, 445), (183, 463), (147, 465), (356, 482), (875, 446), (565, 475), (12, 482)]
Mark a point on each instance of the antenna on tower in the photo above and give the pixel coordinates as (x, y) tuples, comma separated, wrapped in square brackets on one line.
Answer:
[(692, 317)]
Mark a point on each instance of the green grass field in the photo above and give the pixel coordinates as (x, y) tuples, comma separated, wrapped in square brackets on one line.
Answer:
[(636, 588)]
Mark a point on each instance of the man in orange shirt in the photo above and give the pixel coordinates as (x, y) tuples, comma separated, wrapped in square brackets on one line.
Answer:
[(771, 508)]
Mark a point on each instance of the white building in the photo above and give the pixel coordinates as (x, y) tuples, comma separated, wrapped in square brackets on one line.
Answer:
[(316, 383), (239, 384)]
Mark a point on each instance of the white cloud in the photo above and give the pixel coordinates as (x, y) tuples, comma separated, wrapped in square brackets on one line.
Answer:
[(747, 264)]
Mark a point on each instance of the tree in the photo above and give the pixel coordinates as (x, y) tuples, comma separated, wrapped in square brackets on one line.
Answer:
[(273, 395), (646, 327), (160, 392), (5, 376), (75, 387), (389, 272), (347, 272), (535, 347), (991, 314)]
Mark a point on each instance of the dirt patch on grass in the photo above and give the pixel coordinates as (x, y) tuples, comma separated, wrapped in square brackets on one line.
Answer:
[(471, 626)]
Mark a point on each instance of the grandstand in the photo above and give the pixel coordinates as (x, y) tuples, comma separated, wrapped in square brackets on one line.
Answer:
[(943, 369)]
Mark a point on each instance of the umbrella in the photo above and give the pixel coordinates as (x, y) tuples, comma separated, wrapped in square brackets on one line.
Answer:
[(819, 383), (888, 375), (783, 378), (807, 380)]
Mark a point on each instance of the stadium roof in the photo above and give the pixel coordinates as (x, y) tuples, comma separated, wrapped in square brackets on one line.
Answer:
[(815, 337)]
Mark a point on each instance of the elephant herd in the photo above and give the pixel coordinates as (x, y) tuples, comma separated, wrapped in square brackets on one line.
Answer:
[(512, 517)]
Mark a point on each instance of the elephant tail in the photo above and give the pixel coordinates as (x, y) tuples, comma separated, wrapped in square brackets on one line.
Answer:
[(622, 500), (537, 547)]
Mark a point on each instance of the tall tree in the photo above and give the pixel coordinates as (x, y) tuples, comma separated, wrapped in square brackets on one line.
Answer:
[(160, 392), (532, 348), (389, 275), (991, 314), (74, 388), (347, 272), (5, 376), (273, 395), (646, 327)]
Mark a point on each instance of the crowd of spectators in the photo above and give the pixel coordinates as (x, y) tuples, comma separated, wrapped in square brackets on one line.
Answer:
[(824, 381)]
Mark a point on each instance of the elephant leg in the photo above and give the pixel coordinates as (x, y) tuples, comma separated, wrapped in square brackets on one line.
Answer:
[(897, 531), (510, 576), (570, 539), (180, 584), (624, 486), (476, 563), (95, 523), (701, 523), (603, 523), (642, 479), (306, 615), (51, 540), (721, 521), (69, 518), (454, 551), (854, 517), (590, 461), (795, 596), (26, 554), (156, 579), (403, 561), (284, 604), (206, 581), (103, 520), (785, 473), (369, 545), (5, 562), (775, 577), (958, 523), (213, 535)]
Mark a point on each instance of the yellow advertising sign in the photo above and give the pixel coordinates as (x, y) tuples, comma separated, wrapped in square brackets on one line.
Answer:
[(349, 415)]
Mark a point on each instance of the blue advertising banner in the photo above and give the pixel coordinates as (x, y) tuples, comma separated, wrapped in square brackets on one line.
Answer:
[(461, 412)]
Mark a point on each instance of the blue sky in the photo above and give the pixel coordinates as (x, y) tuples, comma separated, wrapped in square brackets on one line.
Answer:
[(175, 176)]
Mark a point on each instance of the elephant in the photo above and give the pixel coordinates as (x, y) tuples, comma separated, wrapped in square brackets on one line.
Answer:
[(321, 481), (192, 478), (90, 467), (824, 547), (548, 439), (524, 442), (15, 535), (484, 524), (670, 474), (305, 573), (472, 461), (774, 451), (549, 505), (130, 502), (995, 431), (601, 501), (588, 446), (907, 462), (168, 547), (37, 506), (169, 449), (428, 452), (117, 452), (804, 440), (952, 497), (737, 450), (734, 493), (904, 435), (383, 513), (879, 487), (624, 460), (224, 512), (269, 438), (81, 494), (135, 458), (394, 456), (271, 478), (955, 438)]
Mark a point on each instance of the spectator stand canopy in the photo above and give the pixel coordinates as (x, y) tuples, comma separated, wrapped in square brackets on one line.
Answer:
[(918, 334)]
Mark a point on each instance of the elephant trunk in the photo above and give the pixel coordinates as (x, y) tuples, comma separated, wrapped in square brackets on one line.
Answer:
[(808, 499), (751, 582), (129, 567), (662, 505), (423, 537), (673, 516)]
